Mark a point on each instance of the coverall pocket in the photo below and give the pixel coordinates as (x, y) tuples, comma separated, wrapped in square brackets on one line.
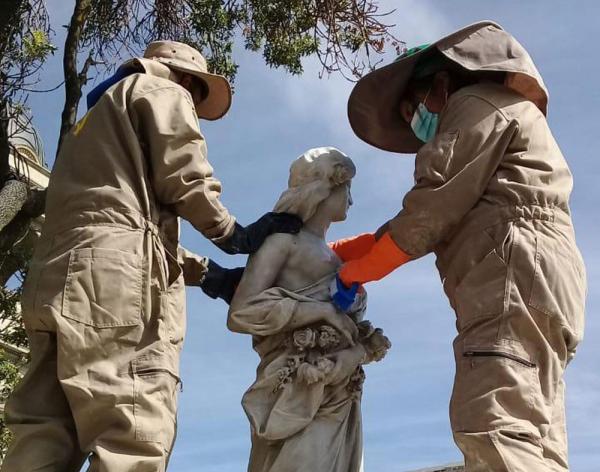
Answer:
[(155, 400), (558, 288), (496, 386), (173, 309), (482, 291), (103, 288)]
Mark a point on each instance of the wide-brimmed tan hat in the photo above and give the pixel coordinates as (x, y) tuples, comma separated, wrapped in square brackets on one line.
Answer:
[(373, 106), (184, 58)]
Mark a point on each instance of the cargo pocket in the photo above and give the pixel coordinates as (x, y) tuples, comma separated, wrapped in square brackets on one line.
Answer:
[(173, 310), (103, 288), (558, 288), (482, 291), (495, 386), (155, 400)]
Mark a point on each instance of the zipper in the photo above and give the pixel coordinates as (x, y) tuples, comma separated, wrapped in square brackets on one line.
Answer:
[(506, 355), (158, 370)]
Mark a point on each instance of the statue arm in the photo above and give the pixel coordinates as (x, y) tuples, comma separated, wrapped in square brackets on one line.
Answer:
[(263, 268)]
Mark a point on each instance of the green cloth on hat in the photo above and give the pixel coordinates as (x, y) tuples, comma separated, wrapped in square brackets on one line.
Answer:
[(427, 65), (411, 51)]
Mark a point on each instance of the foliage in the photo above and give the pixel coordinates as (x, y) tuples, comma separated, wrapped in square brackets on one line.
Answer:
[(11, 324), (10, 374), (345, 35), (24, 46), (11, 366), (37, 46)]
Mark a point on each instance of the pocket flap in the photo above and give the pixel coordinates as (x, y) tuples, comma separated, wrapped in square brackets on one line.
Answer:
[(103, 287)]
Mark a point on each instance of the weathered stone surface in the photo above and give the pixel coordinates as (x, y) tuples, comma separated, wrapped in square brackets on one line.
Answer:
[(443, 468)]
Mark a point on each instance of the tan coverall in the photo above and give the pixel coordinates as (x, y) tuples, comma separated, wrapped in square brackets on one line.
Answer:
[(491, 200), (104, 300)]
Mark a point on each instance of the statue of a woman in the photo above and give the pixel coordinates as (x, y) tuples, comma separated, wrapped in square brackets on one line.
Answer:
[(304, 407)]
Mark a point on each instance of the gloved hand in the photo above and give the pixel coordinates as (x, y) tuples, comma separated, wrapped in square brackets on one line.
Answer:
[(343, 297), (247, 240), (220, 282)]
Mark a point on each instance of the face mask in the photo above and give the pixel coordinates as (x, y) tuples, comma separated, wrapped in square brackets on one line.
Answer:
[(424, 123)]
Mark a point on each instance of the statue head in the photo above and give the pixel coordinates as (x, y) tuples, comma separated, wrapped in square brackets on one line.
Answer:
[(319, 177)]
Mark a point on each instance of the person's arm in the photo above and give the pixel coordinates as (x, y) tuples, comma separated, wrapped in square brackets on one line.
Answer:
[(355, 247), (214, 280), (182, 177), (451, 175), (193, 266), (261, 275)]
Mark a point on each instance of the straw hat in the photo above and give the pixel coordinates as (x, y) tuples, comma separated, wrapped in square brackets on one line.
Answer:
[(184, 58), (373, 108)]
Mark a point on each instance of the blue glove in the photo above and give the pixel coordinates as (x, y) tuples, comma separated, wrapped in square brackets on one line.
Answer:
[(343, 297)]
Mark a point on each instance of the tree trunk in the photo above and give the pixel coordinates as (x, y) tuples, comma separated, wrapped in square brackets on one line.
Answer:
[(4, 143), (73, 80)]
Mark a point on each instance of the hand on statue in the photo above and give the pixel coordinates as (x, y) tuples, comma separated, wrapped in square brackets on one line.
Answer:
[(249, 239), (220, 282), (346, 361)]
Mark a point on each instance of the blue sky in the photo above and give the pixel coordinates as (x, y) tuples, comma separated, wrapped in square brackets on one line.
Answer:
[(274, 118)]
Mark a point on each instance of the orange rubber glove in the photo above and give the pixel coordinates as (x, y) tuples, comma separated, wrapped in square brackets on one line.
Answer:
[(383, 258), (353, 248)]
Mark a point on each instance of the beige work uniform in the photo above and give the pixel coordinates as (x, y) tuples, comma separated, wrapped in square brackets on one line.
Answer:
[(491, 200), (104, 299)]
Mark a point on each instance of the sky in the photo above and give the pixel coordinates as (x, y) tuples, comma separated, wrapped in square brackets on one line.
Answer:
[(274, 118)]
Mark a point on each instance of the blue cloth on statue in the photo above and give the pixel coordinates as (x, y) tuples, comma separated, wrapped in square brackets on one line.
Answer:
[(343, 297)]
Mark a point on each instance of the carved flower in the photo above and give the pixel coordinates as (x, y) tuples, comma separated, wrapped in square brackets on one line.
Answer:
[(365, 329), (295, 361), (284, 376), (325, 365), (329, 338), (309, 373), (342, 173), (377, 345), (305, 339), (356, 381)]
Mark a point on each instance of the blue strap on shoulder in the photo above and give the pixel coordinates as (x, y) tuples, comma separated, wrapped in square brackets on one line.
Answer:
[(95, 94)]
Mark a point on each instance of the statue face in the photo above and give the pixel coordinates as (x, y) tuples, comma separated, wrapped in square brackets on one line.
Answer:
[(336, 205)]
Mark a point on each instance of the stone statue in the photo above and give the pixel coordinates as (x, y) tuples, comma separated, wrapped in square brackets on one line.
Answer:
[(304, 407)]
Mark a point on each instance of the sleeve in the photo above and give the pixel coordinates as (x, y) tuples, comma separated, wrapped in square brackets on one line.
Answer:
[(194, 267), (384, 257), (354, 247), (181, 175), (452, 173)]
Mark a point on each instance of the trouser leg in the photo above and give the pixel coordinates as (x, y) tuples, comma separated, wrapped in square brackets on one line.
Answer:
[(508, 449), (491, 410), (554, 443), (123, 395), (507, 408), (124, 408), (519, 304), (39, 416)]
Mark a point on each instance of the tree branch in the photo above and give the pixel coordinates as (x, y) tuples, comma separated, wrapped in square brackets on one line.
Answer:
[(73, 81)]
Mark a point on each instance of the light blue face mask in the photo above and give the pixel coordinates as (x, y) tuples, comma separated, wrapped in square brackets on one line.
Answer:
[(424, 123)]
